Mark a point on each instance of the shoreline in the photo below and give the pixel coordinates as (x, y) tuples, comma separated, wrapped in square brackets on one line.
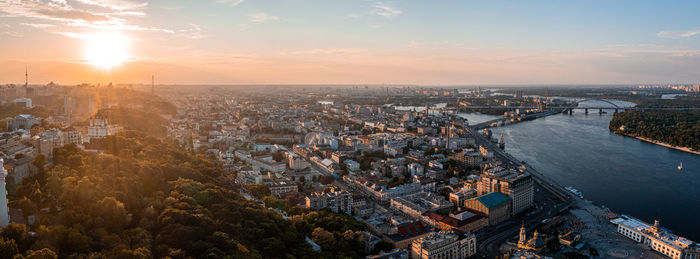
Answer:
[(664, 144)]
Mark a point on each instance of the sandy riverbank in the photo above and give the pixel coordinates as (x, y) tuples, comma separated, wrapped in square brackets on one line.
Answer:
[(685, 149)]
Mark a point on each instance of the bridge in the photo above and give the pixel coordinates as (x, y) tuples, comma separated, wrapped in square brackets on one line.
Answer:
[(576, 106), (504, 120)]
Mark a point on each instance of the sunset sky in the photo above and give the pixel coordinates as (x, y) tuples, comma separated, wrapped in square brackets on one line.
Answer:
[(350, 42)]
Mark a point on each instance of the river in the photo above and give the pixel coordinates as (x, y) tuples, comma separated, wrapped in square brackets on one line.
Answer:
[(625, 174)]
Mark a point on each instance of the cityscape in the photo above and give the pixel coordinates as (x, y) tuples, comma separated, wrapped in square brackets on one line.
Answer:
[(294, 141)]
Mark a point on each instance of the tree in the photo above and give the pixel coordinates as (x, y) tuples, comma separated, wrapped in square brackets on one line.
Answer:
[(322, 237), (553, 244), (382, 245), (259, 190), (139, 253), (39, 162), (44, 253), (278, 156), (16, 232), (28, 208), (327, 179), (8, 248)]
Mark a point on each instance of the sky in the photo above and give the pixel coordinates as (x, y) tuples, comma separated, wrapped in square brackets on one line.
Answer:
[(419, 42)]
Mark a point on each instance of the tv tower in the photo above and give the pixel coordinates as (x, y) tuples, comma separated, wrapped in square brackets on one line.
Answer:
[(26, 76)]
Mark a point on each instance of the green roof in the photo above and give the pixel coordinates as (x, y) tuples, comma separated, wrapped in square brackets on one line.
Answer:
[(493, 199)]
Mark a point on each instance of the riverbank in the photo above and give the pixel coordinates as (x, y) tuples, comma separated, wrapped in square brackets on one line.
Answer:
[(685, 149)]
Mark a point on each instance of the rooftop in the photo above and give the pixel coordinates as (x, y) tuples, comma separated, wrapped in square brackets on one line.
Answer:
[(493, 199)]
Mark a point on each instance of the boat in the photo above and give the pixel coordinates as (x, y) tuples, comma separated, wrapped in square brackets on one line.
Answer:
[(574, 191), (680, 167)]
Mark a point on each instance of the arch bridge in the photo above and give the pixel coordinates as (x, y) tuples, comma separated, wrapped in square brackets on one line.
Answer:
[(599, 108)]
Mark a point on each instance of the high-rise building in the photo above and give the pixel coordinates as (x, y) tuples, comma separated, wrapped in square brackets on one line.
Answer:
[(517, 185), (519, 94), (4, 212)]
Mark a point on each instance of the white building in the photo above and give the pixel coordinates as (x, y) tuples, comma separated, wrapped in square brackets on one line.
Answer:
[(445, 244), (23, 121), (657, 238), (4, 212), (352, 166), (99, 128)]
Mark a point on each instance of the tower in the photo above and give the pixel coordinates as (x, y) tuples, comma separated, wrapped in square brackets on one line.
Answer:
[(26, 76), (4, 212)]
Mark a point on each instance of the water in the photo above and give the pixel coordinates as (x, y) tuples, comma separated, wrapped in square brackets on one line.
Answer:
[(671, 96), (625, 174)]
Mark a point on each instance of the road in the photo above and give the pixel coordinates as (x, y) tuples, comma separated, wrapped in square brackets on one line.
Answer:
[(489, 240)]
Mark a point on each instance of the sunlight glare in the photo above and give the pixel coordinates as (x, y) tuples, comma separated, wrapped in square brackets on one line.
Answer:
[(106, 50)]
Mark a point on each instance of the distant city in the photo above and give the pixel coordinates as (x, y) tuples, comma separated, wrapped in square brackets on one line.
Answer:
[(406, 165)]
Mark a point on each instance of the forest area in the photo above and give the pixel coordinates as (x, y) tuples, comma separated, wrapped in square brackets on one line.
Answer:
[(678, 128), (146, 197)]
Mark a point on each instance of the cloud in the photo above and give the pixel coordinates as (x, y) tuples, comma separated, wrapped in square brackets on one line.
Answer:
[(386, 10), (38, 25), (232, 3), (327, 51), (61, 15), (262, 17), (113, 4), (678, 34), (194, 32)]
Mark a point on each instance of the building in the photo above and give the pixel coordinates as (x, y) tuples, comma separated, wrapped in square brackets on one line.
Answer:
[(407, 207), (26, 101), (296, 162), (98, 128), (249, 177), (23, 121), (267, 163), (657, 238), (469, 157), (4, 212), (279, 188), (48, 140), (336, 201), (352, 165), (495, 205), (446, 244), (517, 185), (465, 221), (415, 169), (536, 243)]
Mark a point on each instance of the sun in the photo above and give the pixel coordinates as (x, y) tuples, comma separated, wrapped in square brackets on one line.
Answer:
[(106, 50)]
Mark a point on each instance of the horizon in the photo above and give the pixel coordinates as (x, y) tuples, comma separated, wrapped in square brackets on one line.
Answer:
[(368, 42)]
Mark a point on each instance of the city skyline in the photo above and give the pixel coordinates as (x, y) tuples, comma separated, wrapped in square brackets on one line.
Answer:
[(353, 42)]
